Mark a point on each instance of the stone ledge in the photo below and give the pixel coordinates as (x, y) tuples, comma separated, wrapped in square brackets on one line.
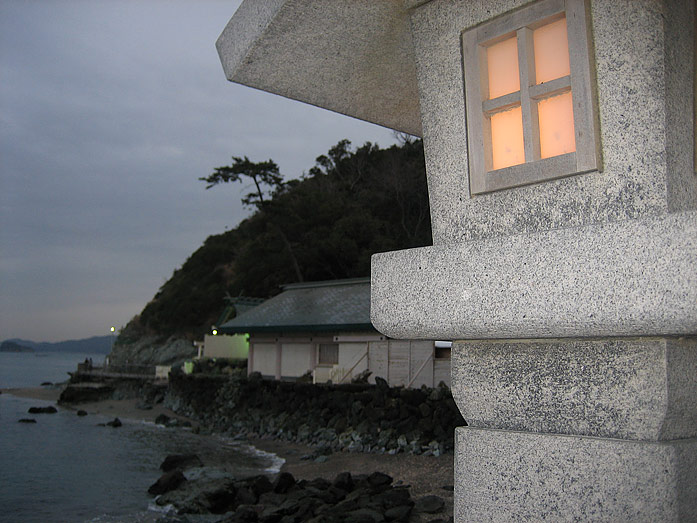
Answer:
[(640, 388), (355, 58), (518, 476), (630, 278)]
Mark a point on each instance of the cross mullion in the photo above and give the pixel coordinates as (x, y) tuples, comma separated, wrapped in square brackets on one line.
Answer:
[(526, 66)]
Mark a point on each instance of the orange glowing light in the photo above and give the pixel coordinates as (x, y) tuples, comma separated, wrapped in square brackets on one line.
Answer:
[(556, 118), (507, 138), (502, 64), (551, 48)]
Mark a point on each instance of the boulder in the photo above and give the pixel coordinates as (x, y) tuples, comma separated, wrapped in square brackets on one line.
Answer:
[(42, 410), (116, 422), (429, 504), (283, 483), (181, 462), (168, 481), (81, 413)]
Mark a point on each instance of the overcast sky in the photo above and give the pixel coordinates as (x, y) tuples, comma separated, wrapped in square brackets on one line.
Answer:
[(110, 111)]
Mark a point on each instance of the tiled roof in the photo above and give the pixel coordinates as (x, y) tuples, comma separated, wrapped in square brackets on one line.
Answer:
[(315, 307)]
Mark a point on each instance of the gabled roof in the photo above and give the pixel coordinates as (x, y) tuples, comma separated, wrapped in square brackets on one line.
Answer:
[(325, 306)]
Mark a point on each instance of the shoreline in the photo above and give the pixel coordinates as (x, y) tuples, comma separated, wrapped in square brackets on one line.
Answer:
[(426, 475), (125, 409)]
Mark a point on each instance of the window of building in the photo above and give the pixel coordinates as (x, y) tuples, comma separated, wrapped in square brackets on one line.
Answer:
[(442, 350), (530, 106), (328, 354)]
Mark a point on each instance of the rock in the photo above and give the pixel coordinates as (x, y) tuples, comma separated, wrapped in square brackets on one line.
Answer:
[(243, 514), (399, 513), (364, 515), (162, 419), (142, 405), (429, 504), (260, 485), (42, 410), (168, 481), (381, 383), (283, 483), (116, 422), (47, 384), (27, 420), (343, 481), (181, 462), (378, 480), (321, 459), (81, 413), (425, 410)]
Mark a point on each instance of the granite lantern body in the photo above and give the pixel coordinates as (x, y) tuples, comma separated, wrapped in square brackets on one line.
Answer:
[(559, 139)]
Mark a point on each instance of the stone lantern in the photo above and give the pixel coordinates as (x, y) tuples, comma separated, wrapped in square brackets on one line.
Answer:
[(559, 139)]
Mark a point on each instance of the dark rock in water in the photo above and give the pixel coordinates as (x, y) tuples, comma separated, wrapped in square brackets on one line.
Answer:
[(47, 384), (284, 482), (27, 420), (162, 419), (429, 504), (181, 462), (116, 422), (168, 481), (81, 413), (42, 410)]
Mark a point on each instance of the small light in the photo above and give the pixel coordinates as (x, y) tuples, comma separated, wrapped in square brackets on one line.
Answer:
[(215, 332), (113, 329)]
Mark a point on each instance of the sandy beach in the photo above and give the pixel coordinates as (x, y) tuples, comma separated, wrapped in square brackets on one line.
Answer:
[(426, 475)]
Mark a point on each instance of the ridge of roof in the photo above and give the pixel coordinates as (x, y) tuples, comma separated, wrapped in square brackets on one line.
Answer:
[(325, 283)]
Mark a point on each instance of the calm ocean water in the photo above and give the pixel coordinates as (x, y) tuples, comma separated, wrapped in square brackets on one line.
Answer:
[(66, 468)]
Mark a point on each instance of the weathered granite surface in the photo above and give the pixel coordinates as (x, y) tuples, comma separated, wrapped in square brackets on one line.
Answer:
[(641, 388), (354, 58), (644, 93), (631, 278), (521, 476)]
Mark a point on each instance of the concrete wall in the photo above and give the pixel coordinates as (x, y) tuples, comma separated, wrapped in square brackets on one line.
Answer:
[(225, 346)]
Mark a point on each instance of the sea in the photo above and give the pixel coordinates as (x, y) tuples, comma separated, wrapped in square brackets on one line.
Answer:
[(66, 468)]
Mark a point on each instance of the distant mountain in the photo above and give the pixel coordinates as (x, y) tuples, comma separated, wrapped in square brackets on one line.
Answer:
[(93, 345), (11, 346)]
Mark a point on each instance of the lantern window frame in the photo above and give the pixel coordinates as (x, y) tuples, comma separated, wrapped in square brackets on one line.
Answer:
[(580, 82)]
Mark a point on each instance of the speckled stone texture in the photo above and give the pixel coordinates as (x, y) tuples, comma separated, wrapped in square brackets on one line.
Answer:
[(512, 476), (355, 58), (632, 278), (644, 92), (641, 389)]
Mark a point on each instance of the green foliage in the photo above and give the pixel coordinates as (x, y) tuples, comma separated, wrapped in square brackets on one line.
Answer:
[(351, 204)]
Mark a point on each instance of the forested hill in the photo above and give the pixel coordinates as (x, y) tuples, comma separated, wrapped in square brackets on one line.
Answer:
[(351, 204)]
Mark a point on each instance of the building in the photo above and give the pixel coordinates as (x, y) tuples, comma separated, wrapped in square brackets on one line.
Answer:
[(323, 329), (218, 345), (560, 156)]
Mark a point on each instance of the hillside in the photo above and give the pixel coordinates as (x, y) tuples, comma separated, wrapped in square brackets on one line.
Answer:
[(351, 204)]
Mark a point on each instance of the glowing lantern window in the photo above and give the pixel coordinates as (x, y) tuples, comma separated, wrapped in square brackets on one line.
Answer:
[(529, 97), (502, 65)]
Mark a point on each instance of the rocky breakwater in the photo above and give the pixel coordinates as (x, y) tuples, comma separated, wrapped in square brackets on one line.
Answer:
[(354, 417), (366, 498)]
